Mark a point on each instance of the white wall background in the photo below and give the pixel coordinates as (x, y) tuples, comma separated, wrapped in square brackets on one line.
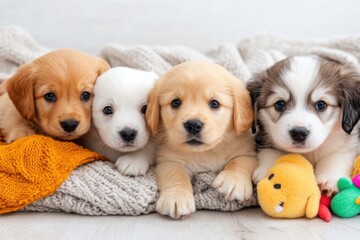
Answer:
[(90, 24)]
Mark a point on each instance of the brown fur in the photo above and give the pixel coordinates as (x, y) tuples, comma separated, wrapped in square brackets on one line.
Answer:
[(67, 73), (227, 143)]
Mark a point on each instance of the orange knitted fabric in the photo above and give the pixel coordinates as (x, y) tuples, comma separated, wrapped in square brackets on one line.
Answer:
[(34, 167)]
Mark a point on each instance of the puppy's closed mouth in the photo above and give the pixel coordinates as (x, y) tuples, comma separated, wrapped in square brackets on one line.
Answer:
[(194, 142), (299, 144)]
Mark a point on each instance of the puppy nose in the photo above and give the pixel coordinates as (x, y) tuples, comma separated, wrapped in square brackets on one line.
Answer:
[(69, 125), (128, 134), (299, 134), (193, 126)]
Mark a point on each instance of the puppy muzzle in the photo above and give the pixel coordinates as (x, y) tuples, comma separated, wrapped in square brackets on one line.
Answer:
[(299, 135)]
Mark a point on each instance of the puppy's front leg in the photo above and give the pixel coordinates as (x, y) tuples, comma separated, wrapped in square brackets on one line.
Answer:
[(176, 194), (137, 163), (235, 180), (267, 158), (329, 169), (15, 126)]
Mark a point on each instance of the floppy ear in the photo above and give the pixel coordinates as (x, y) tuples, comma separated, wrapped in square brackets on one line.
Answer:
[(243, 111), (20, 89), (254, 87), (351, 102), (152, 114), (103, 65)]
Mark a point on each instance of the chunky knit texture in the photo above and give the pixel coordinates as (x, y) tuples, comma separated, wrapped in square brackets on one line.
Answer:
[(97, 188), (34, 167)]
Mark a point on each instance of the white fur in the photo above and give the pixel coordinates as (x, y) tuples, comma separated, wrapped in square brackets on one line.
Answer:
[(126, 91), (328, 147)]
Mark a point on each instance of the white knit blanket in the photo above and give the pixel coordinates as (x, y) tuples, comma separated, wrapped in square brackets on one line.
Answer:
[(97, 188)]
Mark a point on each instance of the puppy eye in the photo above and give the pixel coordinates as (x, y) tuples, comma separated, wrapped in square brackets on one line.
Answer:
[(50, 97), (277, 186), (85, 96), (176, 103), (320, 106), (271, 176), (108, 110), (280, 106), (214, 104), (143, 109)]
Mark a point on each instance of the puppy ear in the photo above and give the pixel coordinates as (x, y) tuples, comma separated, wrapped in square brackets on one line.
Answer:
[(103, 65), (351, 102), (243, 111), (152, 114), (254, 87), (20, 89)]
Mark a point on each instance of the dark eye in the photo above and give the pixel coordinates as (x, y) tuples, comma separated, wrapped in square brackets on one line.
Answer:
[(271, 176), (143, 109), (214, 104), (108, 110), (50, 97), (277, 186), (85, 96), (280, 106), (176, 103), (320, 106)]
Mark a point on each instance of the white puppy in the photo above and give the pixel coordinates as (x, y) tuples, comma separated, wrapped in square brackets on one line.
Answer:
[(119, 130)]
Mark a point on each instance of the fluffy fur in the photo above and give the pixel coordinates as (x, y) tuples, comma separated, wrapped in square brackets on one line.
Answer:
[(51, 96), (223, 144), (311, 106), (125, 92)]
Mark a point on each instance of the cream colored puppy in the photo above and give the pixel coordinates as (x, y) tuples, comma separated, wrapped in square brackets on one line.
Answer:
[(201, 114), (119, 130)]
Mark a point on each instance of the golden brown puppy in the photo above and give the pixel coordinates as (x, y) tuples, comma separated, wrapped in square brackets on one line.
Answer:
[(202, 115), (51, 96)]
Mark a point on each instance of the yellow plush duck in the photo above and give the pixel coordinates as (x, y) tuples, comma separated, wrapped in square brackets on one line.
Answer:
[(289, 190)]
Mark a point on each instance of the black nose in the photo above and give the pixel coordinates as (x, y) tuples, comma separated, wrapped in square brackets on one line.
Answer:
[(299, 134), (69, 125), (193, 126), (128, 134)]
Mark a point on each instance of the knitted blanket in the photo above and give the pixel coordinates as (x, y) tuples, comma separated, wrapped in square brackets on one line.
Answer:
[(34, 167), (97, 188)]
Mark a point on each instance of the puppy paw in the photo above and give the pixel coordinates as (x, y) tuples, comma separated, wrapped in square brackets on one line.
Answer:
[(131, 166), (259, 173), (19, 133), (327, 186), (176, 204), (233, 185)]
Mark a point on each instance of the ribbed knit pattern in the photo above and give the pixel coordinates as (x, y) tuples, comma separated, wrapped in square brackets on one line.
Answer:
[(97, 188), (34, 167)]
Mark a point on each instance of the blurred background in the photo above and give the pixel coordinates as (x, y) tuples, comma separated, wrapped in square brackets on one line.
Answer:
[(202, 24)]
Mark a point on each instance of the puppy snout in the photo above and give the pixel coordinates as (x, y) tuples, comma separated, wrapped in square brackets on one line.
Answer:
[(128, 134), (299, 134), (69, 125), (193, 126)]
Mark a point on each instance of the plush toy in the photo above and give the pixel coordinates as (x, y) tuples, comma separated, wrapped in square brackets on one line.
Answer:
[(346, 203), (356, 167), (324, 208), (289, 190)]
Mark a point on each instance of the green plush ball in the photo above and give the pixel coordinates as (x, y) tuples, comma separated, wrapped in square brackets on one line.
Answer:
[(346, 203)]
